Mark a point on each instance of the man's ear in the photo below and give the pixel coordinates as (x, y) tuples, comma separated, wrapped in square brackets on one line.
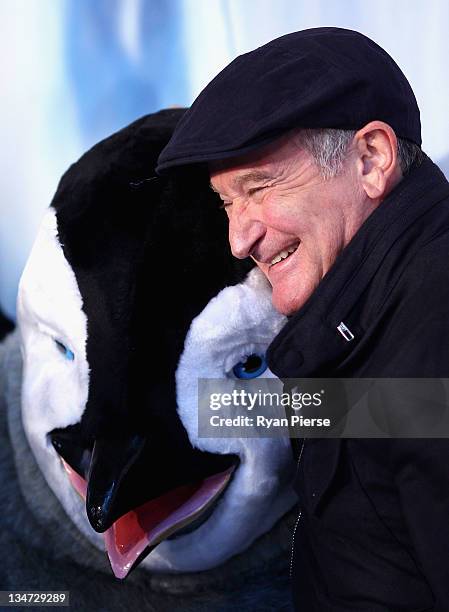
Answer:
[(376, 147)]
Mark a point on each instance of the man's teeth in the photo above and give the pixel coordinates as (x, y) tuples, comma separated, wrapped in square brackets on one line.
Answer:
[(283, 255)]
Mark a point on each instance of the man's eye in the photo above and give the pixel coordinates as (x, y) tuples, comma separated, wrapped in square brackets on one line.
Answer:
[(65, 351), (254, 190)]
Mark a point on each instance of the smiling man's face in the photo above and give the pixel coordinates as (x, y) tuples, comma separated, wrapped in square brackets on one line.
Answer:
[(287, 217)]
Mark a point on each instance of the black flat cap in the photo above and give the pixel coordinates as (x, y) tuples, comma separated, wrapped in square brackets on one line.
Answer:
[(317, 78)]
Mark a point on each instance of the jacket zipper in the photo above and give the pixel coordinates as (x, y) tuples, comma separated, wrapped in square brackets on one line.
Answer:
[(299, 515)]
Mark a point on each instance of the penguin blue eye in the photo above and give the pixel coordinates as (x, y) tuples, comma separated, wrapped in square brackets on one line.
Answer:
[(66, 352), (252, 367)]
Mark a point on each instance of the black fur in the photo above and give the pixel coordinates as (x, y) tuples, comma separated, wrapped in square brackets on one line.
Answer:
[(148, 253)]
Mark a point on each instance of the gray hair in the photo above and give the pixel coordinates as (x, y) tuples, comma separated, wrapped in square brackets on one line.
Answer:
[(329, 147)]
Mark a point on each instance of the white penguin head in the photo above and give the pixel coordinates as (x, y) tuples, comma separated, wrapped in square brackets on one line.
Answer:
[(55, 387), (238, 322)]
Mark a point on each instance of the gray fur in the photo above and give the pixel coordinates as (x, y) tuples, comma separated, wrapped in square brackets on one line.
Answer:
[(42, 550)]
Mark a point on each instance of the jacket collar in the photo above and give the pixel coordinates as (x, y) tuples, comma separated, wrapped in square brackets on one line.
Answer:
[(313, 342)]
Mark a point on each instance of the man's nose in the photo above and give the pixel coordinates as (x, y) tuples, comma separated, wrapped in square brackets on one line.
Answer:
[(244, 232)]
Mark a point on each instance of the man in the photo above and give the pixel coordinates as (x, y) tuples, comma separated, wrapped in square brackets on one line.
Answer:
[(313, 144)]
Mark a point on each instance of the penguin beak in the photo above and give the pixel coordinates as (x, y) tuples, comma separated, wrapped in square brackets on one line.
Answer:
[(111, 461), (110, 479)]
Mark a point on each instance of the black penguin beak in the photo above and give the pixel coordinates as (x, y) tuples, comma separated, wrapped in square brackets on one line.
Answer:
[(113, 474), (67, 445), (111, 460)]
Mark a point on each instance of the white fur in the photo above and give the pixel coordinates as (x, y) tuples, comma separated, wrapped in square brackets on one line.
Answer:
[(239, 321), (54, 390)]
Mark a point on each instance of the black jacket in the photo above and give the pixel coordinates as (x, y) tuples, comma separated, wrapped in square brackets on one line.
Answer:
[(374, 529)]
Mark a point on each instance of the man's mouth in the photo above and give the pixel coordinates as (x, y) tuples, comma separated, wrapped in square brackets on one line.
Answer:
[(284, 254)]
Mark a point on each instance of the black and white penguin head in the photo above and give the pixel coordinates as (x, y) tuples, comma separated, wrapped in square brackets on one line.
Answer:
[(130, 295)]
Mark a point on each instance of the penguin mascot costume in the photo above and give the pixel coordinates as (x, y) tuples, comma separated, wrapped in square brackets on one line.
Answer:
[(130, 294)]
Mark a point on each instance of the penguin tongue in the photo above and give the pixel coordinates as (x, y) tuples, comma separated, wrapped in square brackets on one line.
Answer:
[(154, 521), (149, 524)]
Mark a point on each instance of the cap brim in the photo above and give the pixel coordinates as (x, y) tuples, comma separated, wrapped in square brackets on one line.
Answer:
[(211, 155)]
